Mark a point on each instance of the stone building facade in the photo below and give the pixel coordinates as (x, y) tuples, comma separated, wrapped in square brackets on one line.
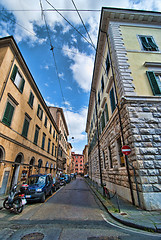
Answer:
[(63, 153), (28, 132), (125, 100)]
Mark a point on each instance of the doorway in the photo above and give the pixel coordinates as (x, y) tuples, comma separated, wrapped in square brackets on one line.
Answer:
[(16, 169)]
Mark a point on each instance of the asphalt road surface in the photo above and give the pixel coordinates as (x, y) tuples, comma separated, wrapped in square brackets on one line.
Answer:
[(72, 213)]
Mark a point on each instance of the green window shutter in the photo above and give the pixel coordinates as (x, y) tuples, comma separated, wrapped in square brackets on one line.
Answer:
[(22, 85), (36, 135), (153, 83), (152, 44), (38, 109), (41, 114), (14, 72), (112, 99), (7, 118), (31, 99), (107, 64), (43, 141), (145, 44), (102, 84), (103, 121), (25, 128), (106, 112)]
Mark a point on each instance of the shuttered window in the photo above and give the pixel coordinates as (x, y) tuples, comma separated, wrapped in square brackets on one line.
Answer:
[(25, 127), (107, 64), (43, 141), (148, 43), (102, 84), (106, 113), (46, 120), (112, 99), (36, 134), (39, 112), (17, 79), (31, 99), (52, 152), (49, 141), (103, 121), (155, 82), (7, 118)]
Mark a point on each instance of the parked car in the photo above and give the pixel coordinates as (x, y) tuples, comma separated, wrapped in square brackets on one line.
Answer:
[(86, 176), (56, 183), (62, 181), (67, 178), (38, 187)]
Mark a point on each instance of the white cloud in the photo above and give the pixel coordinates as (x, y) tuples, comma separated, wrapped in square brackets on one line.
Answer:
[(46, 84), (76, 123), (69, 88), (82, 67), (61, 75)]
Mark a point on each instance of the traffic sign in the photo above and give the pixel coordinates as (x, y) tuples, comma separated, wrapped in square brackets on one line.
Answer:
[(126, 150)]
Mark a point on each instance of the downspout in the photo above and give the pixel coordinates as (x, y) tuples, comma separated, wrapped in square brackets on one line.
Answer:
[(123, 140)]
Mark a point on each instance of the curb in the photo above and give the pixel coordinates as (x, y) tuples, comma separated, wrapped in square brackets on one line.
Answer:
[(130, 224)]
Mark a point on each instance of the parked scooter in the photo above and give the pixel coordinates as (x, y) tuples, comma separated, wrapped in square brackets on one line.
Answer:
[(15, 201)]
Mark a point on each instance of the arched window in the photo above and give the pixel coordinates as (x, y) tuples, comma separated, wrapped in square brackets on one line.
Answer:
[(2, 153)]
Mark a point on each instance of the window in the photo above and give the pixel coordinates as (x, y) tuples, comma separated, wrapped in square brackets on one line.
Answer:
[(107, 64), (50, 128), (26, 126), (39, 112), (54, 134), (52, 151), (31, 99), (112, 99), (99, 98), (43, 140), (46, 120), (36, 134), (8, 114), (103, 121), (17, 79), (119, 153), (148, 43), (49, 141), (102, 84), (106, 113), (104, 160), (110, 157), (155, 82), (55, 151)]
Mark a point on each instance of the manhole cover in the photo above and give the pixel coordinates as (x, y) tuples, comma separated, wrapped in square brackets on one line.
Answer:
[(33, 236)]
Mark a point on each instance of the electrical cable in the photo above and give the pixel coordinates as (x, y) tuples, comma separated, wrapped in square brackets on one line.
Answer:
[(50, 10), (83, 24), (52, 49)]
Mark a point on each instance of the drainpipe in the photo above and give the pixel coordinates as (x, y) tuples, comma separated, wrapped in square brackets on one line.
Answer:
[(121, 129)]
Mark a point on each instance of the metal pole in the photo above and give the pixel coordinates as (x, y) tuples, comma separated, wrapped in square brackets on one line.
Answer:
[(126, 158)]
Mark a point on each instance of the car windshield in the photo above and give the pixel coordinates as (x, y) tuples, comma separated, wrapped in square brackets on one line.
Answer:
[(38, 180)]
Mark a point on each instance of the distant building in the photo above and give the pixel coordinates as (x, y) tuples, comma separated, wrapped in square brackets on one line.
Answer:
[(28, 132), (78, 165), (60, 120), (125, 106), (86, 163)]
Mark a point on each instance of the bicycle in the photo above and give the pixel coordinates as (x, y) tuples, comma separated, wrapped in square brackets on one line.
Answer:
[(106, 192)]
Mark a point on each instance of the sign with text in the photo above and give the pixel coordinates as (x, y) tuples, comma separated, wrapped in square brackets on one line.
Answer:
[(126, 150)]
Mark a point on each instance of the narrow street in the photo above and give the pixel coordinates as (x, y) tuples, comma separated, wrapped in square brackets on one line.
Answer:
[(72, 213)]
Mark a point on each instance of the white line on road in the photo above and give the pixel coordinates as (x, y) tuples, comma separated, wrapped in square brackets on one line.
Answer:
[(127, 229)]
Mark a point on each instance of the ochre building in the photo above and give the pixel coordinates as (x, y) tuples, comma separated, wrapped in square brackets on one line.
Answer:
[(28, 132)]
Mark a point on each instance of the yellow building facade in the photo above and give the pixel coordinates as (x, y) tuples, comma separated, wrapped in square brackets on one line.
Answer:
[(124, 106), (28, 132)]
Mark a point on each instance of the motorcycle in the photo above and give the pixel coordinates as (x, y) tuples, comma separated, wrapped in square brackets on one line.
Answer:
[(15, 201)]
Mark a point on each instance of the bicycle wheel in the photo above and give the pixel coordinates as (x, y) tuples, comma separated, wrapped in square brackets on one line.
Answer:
[(107, 194)]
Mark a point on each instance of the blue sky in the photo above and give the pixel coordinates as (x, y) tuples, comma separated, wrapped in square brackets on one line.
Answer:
[(73, 54)]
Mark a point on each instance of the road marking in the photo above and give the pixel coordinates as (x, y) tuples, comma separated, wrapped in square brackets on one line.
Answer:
[(53, 194), (145, 233)]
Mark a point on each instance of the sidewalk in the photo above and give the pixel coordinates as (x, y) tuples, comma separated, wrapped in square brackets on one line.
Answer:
[(129, 215)]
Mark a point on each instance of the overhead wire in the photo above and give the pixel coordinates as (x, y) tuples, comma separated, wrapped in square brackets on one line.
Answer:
[(52, 10), (52, 49)]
